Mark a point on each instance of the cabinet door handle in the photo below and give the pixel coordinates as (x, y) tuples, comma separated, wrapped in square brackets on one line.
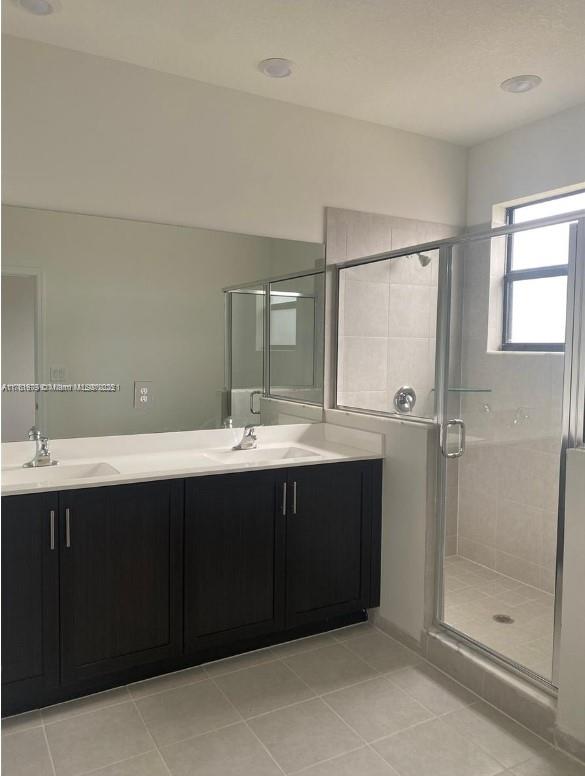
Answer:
[(294, 497), (67, 528), (52, 519), (284, 498)]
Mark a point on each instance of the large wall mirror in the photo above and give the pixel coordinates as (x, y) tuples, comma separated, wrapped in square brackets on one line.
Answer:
[(213, 328)]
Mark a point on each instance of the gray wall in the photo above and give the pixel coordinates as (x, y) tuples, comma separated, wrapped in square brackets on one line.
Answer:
[(19, 296)]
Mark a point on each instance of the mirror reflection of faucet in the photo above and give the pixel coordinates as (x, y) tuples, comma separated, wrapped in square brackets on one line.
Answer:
[(248, 441), (42, 456)]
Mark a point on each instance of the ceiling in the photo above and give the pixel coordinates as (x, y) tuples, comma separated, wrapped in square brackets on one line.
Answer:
[(427, 66)]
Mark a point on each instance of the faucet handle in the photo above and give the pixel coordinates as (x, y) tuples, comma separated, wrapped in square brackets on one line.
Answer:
[(34, 434)]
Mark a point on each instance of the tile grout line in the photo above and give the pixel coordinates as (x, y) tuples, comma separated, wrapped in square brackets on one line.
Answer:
[(48, 723), (49, 750), (306, 768), (110, 765), (152, 738), (248, 727)]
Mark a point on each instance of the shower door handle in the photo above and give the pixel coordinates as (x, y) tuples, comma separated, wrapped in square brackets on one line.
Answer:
[(252, 394), (445, 437)]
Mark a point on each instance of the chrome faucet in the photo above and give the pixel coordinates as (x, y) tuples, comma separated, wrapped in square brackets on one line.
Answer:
[(248, 441), (42, 456)]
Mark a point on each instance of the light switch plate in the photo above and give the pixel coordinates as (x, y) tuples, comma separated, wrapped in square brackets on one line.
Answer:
[(142, 394), (57, 374)]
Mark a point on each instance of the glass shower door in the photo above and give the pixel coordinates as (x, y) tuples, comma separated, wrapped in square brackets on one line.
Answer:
[(503, 421)]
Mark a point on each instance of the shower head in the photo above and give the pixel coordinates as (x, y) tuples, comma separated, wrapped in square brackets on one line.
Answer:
[(424, 259)]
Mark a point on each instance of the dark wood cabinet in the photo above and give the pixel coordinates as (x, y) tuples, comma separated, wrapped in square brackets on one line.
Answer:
[(234, 557), (30, 596), (121, 577), (333, 515), (103, 586)]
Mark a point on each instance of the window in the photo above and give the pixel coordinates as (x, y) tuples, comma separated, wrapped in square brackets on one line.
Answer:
[(535, 282)]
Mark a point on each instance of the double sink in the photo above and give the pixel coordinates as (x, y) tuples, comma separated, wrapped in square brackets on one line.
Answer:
[(151, 462)]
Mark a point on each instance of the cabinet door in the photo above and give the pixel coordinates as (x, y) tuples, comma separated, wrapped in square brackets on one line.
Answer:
[(121, 574), (30, 598), (329, 541), (234, 557)]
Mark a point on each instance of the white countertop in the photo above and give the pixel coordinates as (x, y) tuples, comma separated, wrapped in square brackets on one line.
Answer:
[(115, 460)]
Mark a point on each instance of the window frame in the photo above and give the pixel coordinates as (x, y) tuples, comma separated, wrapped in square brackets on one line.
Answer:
[(535, 273)]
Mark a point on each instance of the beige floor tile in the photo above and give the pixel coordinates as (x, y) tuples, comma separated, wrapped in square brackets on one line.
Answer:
[(377, 708), (435, 748), (505, 740), (304, 734), (236, 663), (263, 688), (302, 645), (434, 690), (330, 668), (362, 762), (95, 702), (382, 652), (550, 763), (26, 754), (167, 682), (233, 751), (20, 722), (96, 739), (149, 764), (185, 712)]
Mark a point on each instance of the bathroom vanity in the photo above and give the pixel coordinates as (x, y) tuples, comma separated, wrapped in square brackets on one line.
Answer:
[(123, 574)]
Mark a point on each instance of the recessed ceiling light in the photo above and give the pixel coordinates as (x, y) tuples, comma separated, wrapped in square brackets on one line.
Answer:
[(276, 67), (521, 83), (36, 7)]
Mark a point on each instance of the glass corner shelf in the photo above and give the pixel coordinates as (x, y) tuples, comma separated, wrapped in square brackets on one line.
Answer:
[(465, 389)]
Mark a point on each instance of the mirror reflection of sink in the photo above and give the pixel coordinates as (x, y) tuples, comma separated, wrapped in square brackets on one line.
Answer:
[(62, 471), (260, 454)]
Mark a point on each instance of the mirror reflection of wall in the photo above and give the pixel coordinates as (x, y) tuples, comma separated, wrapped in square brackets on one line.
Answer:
[(19, 349), (128, 301)]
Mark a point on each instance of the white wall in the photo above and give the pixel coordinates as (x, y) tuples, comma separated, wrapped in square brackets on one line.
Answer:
[(536, 158), (87, 134)]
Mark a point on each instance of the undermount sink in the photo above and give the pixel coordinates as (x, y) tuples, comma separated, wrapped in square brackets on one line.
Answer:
[(260, 454), (62, 471)]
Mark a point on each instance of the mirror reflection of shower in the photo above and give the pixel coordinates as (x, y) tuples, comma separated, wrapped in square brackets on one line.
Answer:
[(274, 341)]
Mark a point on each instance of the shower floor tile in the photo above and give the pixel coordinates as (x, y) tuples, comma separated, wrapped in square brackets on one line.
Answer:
[(474, 595)]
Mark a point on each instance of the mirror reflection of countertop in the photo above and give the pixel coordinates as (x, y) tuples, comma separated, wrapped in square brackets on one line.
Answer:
[(116, 460)]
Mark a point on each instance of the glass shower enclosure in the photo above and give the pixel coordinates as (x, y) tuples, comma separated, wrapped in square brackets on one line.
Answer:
[(505, 389)]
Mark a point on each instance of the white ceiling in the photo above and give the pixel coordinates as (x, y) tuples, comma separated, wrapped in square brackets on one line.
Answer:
[(426, 66)]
